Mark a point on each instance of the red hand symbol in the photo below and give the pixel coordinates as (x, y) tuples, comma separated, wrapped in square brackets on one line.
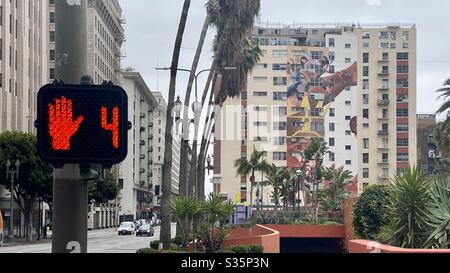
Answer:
[(61, 124)]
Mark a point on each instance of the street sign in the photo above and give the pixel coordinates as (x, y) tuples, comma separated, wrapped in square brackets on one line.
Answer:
[(82, 124)]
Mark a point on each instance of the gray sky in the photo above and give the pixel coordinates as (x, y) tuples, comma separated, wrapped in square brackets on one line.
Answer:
[(152, 25)]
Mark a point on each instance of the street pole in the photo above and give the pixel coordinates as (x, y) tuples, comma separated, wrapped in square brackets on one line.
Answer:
[(70, 194), (11, 210)]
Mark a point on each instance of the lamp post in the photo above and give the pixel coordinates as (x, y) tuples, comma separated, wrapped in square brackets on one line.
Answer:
[(12, 174), (299, 177), (209, 167)]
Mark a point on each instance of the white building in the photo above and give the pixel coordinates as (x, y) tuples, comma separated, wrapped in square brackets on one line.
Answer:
[(159, 125), (136, 171), (23, 69)]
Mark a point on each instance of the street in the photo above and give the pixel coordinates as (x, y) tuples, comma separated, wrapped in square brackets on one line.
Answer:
[(99, 241)]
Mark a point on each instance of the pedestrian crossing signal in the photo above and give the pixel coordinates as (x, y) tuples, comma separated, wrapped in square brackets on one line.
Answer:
[(82, 124)]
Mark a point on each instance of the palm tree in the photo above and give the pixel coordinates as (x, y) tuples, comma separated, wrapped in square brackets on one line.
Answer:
[(439, 222), (446, 106), (246, 167), (185, 210), (442, 137), (167, 169), (278, 177), (332, 198), (409, 209)]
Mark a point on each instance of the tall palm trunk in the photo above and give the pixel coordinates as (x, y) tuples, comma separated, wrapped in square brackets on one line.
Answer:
[(184, 189), (183, 178), (166, 218)]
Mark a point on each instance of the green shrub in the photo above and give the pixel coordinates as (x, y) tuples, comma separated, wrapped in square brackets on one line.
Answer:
[(174, 247), (247, 249), (370, 212), (225, 251), (177, 240), (154, 245), (146, 251)]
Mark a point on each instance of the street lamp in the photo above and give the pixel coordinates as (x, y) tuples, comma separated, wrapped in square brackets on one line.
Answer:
[(299, 176), (13, 175), (209, 167)]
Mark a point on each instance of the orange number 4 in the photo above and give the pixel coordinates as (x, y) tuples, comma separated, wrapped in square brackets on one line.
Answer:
[(113, 127)]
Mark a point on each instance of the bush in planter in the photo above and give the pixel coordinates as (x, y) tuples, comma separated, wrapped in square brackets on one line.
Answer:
[(370, 213), (146, 251), (248, 249), (154, 245)]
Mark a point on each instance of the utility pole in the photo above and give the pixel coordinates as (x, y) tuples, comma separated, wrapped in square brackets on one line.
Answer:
[(70, 194)]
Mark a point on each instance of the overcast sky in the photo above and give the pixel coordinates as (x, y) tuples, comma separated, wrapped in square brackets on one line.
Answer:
[(152, 25)]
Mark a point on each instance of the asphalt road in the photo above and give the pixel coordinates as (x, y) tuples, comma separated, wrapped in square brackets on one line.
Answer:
[(99, 241)]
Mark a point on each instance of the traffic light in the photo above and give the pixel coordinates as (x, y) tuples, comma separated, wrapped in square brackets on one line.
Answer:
[(82, 124)]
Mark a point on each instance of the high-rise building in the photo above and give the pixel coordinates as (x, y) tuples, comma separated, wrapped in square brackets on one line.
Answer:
[(105, 39), (135, 173), (23, 70), (427, 150), (353, 86), (23, 62), (158, 144)]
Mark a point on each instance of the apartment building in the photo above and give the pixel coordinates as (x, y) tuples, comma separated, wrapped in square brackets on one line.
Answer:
[(158, 149), (354, 86), (428, 153), (135, 173), (105, 39), (23, 70)]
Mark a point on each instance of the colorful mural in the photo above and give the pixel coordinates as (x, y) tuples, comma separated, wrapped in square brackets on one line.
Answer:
[(312, 88)]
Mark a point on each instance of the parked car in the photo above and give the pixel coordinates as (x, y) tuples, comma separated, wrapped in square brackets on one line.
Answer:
[(126, 228), (145, 230)]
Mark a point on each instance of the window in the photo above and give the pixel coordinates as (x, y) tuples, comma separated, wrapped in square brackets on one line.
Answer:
[(402, 142), (384, 35), (332, 69), (280, 111), (366, 125), (402, 157), (260, 79), (317, 127), (316, 112), (385, 173), (405, 35), (384, 45), (279, 126), (405, 45), (366, 45), (365, 98), (315, 32), (348, 60), (393, 36), (316, 55), (385, 56), (52, 55), (402, 98), (365, 84), (332, 142), (366, 113), (261, 66), (300, 110), (348, 147), (260, 109), (348, 133), (385, 69), (385, 158), (348, 162), (279, 141), (332, 56), (385, 84), (260, 94), (52, 36), (279, 53), (402, 56), (52, 73), (385, 143), (299, 124), (260, 123), (348, 117), (348, 46), (366, 173), (348, 103), (332, 127), (279, 80), (52, 18), (366, 143), (331, 42), (279, 156), (402, 128), (279, 96), (393, 45), (365, 158), (279, 67), (365, 58), (402, 83), (332, 157), (366, 35), (365, 71), (385, 127), (332, 112), (402, 69), (402, 113)]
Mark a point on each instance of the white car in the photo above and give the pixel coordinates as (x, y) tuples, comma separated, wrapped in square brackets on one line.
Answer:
[(126, 228)]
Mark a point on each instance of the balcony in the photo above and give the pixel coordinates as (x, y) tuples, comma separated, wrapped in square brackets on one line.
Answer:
[(150, 137), (142, 157), (142, 129), (383, 117), (142, 142), (142, 183), (383, 60), (143, 115), (383, 148), (383, 102), (383, 161), (383, 73), (141, 170), (383, 88), (383, 132), (150, 125)]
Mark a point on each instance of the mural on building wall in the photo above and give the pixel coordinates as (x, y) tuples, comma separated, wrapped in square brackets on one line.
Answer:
[(312, 87)]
